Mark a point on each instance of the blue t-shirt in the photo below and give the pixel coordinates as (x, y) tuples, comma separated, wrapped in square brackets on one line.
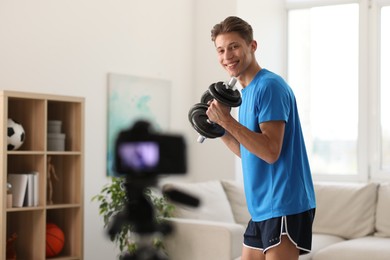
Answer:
[(284, 187)]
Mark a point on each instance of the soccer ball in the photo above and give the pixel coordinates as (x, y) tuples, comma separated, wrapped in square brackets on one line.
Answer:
[(15, 135)]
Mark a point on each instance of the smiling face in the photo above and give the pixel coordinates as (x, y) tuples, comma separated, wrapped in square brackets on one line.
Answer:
[(235, 55)]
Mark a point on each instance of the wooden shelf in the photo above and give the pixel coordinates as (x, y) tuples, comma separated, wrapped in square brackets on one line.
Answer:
[(33, 112)]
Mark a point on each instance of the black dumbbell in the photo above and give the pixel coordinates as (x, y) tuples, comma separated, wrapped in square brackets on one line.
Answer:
[(224, 93)]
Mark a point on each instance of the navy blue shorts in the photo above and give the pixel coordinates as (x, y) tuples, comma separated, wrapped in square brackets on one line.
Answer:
[(266, 234)]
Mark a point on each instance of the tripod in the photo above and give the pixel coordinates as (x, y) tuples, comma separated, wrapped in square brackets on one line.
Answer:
[(140, 214)]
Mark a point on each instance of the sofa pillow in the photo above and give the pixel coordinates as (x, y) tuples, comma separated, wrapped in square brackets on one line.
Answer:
[(236, 196), (382, 223), (357, 249), (214, 204), (345, 210)]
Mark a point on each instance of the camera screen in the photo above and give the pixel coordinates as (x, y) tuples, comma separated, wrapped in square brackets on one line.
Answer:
[(139, 156)]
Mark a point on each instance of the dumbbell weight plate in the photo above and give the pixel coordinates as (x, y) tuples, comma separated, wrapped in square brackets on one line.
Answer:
[(225, 95), (206, 97), (199, 121)]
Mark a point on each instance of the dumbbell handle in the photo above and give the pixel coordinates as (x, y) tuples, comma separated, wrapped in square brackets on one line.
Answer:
[(232, 82), (201, 139)]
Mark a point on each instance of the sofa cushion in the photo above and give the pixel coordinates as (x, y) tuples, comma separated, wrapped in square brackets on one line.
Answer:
[(195, 239), (319, 242), (214, 204), (236, 196), (382, 223), (345, 210), (357, 249)]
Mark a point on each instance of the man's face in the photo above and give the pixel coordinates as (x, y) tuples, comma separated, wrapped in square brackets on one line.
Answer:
[(234, 54)]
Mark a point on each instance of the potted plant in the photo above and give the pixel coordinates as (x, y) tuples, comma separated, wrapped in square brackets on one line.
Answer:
[(112, 201)]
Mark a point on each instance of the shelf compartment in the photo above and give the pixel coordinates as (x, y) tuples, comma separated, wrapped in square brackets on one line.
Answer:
[(27, 163), (70, 115), (28, 113), (67, 189), (27, 225), (69, 221)]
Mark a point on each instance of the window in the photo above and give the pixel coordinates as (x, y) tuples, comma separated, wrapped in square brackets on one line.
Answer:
[(323, 70), (338, 66)]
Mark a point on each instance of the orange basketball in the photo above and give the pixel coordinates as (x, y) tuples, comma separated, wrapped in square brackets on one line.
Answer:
[(54, 240)]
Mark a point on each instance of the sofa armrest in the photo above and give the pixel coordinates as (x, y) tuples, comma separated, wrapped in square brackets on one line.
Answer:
[(194, 239)]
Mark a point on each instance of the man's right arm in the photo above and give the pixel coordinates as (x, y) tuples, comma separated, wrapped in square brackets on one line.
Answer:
[(231, 143)]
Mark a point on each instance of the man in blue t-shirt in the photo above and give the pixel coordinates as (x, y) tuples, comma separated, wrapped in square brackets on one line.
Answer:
[(268, 138)]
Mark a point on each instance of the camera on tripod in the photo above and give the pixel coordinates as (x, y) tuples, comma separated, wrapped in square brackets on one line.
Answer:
[(142, 153), (141, 156)]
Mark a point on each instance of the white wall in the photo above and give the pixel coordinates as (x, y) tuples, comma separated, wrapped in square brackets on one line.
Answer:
[(68, 47)]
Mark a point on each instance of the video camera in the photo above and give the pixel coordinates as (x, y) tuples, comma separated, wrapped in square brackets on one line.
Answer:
[(141, 155)]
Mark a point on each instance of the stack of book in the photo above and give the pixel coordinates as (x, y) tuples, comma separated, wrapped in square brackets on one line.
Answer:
[(25, 190)]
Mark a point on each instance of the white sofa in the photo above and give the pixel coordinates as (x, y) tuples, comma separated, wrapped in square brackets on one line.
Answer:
[(352, 222)]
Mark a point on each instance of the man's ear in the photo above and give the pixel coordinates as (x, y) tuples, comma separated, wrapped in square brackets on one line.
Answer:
[(254, 45)]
